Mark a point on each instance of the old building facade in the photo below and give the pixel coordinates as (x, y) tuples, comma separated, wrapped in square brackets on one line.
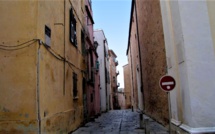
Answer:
[(103, 60), (174, 38), (133, 54), (127, 85), (113, 79), (92, 91), (189, 41), (43, 70), (121, 98), (146, 55)]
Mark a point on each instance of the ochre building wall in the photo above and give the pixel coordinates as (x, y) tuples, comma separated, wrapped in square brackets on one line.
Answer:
[(127, 86), (134, 61), (36, 88), (18, 73)]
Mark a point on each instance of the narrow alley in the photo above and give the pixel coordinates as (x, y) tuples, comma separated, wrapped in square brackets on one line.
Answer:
[(95, 66), (120, 122)]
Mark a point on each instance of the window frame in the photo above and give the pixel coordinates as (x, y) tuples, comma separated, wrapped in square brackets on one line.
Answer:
[(73, 29), (75, 85)]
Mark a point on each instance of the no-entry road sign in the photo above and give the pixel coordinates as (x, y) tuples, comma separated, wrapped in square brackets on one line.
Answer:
[(167, 83)]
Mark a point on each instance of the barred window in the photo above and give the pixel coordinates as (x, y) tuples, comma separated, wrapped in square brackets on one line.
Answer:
[(75, 89), (83, 43), (73, 36)]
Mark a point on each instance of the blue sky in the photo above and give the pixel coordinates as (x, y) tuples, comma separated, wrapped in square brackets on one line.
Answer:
[(113, 17)]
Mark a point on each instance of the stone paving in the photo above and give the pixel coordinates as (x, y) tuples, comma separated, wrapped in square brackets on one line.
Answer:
[(120, 122)]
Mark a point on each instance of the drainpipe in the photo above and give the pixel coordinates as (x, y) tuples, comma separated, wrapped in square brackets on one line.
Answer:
[(140, 60), (38, 90), (64, 42)]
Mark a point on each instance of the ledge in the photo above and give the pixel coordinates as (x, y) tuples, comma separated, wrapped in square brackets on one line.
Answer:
[(198, 130)]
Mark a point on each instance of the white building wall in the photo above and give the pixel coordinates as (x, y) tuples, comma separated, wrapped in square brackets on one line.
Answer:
[(191, 60), (100, 37), (108, 84)]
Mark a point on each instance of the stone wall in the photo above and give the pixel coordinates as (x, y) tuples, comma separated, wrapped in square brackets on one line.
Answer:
[(152, 51)]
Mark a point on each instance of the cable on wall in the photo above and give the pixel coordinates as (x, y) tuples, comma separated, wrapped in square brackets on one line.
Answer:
[(50, 50), (17, 47), (61, 58), (19, 44)]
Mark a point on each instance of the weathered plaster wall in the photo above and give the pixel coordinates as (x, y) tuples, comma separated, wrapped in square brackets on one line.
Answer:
[(44, 92), (113, 77), (18, 110), (134, 59), (97, 101), (127, 84), (131, 77), (121, 100), (153, 58), (59, 111)]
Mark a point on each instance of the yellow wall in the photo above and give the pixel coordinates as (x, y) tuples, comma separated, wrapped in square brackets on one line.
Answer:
[(18, 68), (21, 80)]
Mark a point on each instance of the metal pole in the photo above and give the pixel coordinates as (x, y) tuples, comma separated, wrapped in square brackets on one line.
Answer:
[(169, 103), (141, 120)]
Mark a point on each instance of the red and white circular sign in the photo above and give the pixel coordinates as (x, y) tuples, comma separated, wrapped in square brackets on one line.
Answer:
[(167, 83)]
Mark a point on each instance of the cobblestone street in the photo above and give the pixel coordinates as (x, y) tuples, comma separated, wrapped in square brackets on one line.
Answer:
[(120, 122)]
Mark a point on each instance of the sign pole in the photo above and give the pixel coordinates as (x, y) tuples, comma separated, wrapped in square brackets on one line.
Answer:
[(169, 103), (167, 83)]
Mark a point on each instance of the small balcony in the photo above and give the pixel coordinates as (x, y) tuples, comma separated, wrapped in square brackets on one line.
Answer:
[(118, 85), (116, 63), (117, 73)]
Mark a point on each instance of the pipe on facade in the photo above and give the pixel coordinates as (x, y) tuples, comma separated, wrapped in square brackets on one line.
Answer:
[(64, 42), (140, 60), (38, 90)]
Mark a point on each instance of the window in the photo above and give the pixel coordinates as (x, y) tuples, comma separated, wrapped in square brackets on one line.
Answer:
[(75, 90), (97, 65), (73, 37), (83, 43), (114, 79), (91, 97), (91, 59)]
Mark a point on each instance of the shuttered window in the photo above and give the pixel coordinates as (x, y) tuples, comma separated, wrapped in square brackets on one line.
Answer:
[(75, 89), (73, 36)]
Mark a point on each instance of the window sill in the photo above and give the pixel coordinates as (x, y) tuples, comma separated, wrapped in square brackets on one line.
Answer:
[(75, 98)]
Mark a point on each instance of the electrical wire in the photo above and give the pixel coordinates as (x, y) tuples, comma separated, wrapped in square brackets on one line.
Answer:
[(50, 50), (59, 57), (12, 49), (71, 68), (19, 44)]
